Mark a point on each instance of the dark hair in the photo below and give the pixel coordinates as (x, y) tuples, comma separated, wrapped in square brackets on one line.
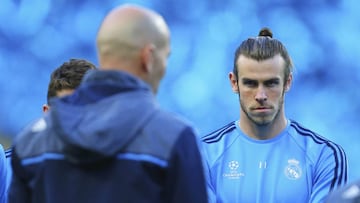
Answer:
[(68, 76), (263, 47)]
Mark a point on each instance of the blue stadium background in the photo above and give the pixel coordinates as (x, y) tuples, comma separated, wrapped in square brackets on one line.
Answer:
[(322, 36)]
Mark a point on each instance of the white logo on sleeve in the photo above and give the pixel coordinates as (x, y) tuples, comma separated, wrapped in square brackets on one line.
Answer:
[(40, 125), (293, 170), (351, 192)]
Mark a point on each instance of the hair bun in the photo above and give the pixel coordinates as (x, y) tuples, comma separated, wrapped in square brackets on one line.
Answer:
[(265, 32)]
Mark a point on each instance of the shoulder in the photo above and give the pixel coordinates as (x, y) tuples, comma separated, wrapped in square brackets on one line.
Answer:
[(169, 127), (317, 147), (164, 135), (219, 134), (172, 128), (305, 132), (168, 122), (213, 145), (2, 165), (8, 152), (312, 138), (2, 154), (32, 140)]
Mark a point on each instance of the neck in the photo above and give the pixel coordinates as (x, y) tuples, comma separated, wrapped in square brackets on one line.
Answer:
[(130, 66)]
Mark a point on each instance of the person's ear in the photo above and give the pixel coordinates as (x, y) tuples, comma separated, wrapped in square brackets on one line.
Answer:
[(288, 82), (147, 57), (234, 82), (45, 108)]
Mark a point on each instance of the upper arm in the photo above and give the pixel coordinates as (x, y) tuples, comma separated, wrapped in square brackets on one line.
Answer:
[(207, 172), (18, 191), (186, 172), (330, 174)]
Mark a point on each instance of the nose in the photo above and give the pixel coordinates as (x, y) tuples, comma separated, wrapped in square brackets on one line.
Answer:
[(260, 95)]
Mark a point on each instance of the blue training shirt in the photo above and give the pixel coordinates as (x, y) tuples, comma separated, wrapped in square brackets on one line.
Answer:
[(298, 165), (3, 172), (8, 153)]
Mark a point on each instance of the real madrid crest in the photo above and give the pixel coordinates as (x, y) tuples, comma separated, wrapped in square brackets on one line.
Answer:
[(293, 170)]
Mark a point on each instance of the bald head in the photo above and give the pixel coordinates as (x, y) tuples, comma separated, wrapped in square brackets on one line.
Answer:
[(128, 28), (133, 39)]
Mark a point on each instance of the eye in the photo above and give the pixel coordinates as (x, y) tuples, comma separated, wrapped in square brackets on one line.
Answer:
[(249, 83), (272, 83)]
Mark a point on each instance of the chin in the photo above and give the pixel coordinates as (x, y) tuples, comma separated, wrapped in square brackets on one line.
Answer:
[(263, 121)]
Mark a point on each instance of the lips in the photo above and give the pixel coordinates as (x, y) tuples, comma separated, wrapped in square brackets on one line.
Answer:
[(262, 109)]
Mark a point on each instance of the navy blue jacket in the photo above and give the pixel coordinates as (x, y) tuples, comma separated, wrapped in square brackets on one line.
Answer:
[(107, 142)]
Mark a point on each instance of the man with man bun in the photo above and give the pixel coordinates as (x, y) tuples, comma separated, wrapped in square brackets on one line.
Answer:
[(265, 156)]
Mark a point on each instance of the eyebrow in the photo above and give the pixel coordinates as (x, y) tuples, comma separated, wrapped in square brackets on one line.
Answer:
[(247, 80), (275, 79)]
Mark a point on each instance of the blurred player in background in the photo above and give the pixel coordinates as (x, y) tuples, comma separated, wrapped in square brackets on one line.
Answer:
[(63, 81)]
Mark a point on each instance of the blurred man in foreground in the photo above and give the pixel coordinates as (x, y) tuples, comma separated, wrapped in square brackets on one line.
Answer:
[(109, 141)]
